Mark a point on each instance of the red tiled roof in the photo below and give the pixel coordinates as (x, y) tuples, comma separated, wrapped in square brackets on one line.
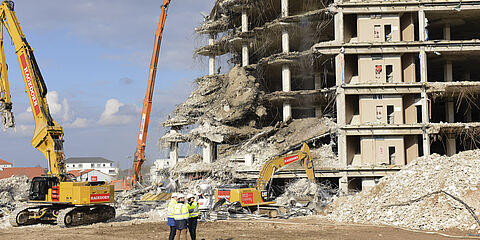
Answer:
[(75, 173), (3, 162), (78, 173), (30, 172)]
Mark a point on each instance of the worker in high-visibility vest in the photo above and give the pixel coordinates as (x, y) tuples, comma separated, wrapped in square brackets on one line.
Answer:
[(180, 214), (171, 220), (193, 216)]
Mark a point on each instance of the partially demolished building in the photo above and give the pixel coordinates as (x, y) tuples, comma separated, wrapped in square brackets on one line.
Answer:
[(372, 85)]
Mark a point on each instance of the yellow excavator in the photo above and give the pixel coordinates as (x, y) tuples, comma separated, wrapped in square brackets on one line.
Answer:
[(261, 194), (54, 198)]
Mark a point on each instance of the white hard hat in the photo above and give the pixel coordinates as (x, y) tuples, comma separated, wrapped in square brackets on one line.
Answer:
[(190, 196), (174, 194), (180, 195)]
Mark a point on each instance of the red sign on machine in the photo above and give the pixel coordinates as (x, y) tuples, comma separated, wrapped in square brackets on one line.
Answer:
[(291, 159), (247, 198), (31, 89), (224, 194), (100, 197)]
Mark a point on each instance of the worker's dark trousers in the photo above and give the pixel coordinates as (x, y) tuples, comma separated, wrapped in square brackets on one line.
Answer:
[(192, 227), (173, 232)]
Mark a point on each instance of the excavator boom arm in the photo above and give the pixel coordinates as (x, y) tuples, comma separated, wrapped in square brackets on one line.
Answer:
[(48, 134), (147, 103), (275, 164)]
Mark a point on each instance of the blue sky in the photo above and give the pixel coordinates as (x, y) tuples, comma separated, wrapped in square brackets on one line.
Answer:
[(94, 56)]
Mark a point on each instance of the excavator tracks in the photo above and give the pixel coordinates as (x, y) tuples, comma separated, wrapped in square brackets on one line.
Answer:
[(20, 217), (63, 215), (77, 216)]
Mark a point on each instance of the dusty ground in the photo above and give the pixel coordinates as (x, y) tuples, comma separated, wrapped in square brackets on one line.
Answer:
[(299, 228)]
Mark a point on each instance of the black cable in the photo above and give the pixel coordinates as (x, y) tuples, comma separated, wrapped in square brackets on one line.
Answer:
[(469, 209)]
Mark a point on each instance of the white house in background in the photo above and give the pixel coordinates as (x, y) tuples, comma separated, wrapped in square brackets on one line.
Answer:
[(98, 163), (91, 175), (5, 164)]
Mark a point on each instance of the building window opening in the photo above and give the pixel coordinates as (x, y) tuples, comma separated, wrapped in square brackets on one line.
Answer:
[(391, 155), (389, 73), (419, 113), (388, 33), (376, 31), (391, 114)]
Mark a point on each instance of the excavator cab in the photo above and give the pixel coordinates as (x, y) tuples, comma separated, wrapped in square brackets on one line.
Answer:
[(39, 187)]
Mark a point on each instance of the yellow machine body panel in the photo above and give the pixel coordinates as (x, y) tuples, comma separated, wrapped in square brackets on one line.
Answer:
[(80, 193), (246, 196)]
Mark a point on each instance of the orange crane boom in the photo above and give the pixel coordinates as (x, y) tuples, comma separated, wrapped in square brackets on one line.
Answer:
[(139, 158)]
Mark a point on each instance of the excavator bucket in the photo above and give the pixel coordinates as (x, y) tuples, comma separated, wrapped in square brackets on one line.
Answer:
[(8, 120)]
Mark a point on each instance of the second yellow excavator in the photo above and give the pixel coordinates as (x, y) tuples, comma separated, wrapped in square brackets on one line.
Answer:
[(261, 193), (54, 198)]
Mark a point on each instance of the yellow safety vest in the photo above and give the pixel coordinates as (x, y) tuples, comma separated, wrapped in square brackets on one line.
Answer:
[(193, 209), (170, 208), (180, 211)]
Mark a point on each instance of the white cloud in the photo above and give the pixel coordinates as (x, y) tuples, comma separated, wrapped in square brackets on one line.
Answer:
[(59, 108), (79, 123), (67, 114), (117, 113), (54, 103)]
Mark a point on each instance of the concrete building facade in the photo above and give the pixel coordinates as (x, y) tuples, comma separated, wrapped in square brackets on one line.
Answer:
[(401, 74)]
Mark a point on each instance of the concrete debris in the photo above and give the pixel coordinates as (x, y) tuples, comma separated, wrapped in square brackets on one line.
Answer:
[(13, 193), (303, 193), (222, 99), (389, 202), (129, 206)]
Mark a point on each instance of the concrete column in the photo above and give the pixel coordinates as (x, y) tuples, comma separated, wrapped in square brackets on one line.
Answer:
[(341, 105), (286, 78), (286, 87), (285, 41), (286, 74), (339, 28), (318, 85), (340, 69), (343, 185), (446, 32), (284, 8), (173, 153), (245, 57), (425, 102), (287, 111), (342, 148), (211, 58), (244, 21), (450, 108), (421, 25), (423, 65), (425, 120), (318, 80), (209, 152)]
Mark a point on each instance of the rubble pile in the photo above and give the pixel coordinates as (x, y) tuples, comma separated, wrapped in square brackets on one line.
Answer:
[(305, 192), (13, 193), (224, 99), (404, 198), (128, 205)]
